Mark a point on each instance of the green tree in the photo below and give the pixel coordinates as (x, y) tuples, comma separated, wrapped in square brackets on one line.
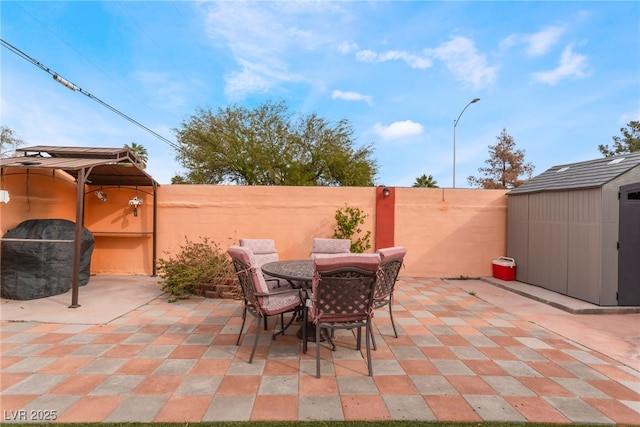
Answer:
[(140, 153), (425, 181), (269, 146), (9, 142), (505, 166), (629, 142)]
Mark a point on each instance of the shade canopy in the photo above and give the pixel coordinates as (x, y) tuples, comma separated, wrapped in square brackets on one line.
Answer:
[(107, 166)]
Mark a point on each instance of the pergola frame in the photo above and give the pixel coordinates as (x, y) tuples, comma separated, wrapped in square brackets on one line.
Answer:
[(89, 166)]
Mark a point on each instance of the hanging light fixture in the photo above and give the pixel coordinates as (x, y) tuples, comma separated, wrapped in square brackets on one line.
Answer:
[(101, 195), (135, 202)]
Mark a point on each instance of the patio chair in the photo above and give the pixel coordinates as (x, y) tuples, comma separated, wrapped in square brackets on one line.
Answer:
[(391, 260), (323, 246), (259, 300), (264, 251), (342, 298)]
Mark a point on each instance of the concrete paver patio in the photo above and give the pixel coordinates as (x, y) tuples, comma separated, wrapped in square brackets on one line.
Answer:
[(467, 351)]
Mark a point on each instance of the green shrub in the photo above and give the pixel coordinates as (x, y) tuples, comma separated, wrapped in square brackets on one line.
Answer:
[(348, 221), (195, 265)]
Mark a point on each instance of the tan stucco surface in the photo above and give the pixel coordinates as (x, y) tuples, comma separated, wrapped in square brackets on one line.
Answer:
[(447, 232)]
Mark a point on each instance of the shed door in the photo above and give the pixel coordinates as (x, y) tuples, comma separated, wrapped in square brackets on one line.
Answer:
[(629, 252)]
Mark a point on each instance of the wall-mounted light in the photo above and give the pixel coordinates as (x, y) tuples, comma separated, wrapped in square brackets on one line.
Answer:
[(101, 195), (135, 202), (386, 191)]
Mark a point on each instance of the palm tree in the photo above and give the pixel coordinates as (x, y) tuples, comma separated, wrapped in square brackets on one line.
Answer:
[(140, 154), (425, 181)]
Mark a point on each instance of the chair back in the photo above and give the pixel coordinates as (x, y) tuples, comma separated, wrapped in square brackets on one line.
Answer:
[(391, 260), (251, 280), (264, 250), (343, 287), (330, 246)]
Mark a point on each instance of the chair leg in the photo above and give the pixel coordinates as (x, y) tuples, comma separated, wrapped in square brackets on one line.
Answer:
[(265, 323), (305, 315), (244, 317), (283, 327), (255, 343), (318, 328), (329, 340), (373, 339), (391, 315), (369, 333)]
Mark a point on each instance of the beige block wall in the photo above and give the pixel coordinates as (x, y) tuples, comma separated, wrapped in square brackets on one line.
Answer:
[(292, 216), (35, 195), (448, 232)]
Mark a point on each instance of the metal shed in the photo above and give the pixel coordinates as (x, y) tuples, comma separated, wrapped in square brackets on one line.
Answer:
[(575, 230)]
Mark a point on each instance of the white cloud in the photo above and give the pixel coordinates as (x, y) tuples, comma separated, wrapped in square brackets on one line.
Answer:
[(366, 55), (537, 43), (461, 58), (261, 36), (346, 47), (351, 96), (572, 65), (414, 61), (397, 130)]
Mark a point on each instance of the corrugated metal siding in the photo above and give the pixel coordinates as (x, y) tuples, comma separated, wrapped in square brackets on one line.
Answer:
[(518, 234), (548, 236), (583, 250)]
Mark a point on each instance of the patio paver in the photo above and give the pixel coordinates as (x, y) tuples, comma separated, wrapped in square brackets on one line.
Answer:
[(466, 351)]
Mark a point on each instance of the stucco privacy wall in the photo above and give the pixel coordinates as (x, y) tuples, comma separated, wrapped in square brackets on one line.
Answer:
[(448, 232), (292, 216), (36, 195)]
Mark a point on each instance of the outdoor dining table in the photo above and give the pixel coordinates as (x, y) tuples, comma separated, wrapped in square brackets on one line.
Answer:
[(299, 273)]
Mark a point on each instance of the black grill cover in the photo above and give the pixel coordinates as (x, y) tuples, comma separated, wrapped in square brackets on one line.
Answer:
[(30, 270)]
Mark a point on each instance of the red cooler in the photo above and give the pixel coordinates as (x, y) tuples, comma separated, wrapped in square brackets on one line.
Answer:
[(504, 268)]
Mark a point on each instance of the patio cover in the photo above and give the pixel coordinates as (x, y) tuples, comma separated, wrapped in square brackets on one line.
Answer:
[(88, 166)]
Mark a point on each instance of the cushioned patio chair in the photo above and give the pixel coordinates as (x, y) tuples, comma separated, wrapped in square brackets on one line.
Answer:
[(391, 260), (259, 300), (323, 246), (264, 251), (342, 298)]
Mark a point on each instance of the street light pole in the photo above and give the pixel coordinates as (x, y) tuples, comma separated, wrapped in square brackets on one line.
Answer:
[(455, 123)]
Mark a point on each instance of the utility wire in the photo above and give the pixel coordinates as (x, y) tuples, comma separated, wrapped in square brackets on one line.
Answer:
[(80, 54), (57, 77)]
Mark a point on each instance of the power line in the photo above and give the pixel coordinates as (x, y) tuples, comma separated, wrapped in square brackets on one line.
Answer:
[(57, 77), (80, 54)]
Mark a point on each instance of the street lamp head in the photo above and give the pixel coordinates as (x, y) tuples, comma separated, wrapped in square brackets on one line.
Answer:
[(455, 123)]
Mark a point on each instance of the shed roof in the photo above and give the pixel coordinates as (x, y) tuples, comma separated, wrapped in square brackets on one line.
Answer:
[(109, 166), (572, 176)]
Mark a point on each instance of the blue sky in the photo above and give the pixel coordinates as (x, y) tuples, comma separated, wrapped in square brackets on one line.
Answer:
[(560, 77)]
